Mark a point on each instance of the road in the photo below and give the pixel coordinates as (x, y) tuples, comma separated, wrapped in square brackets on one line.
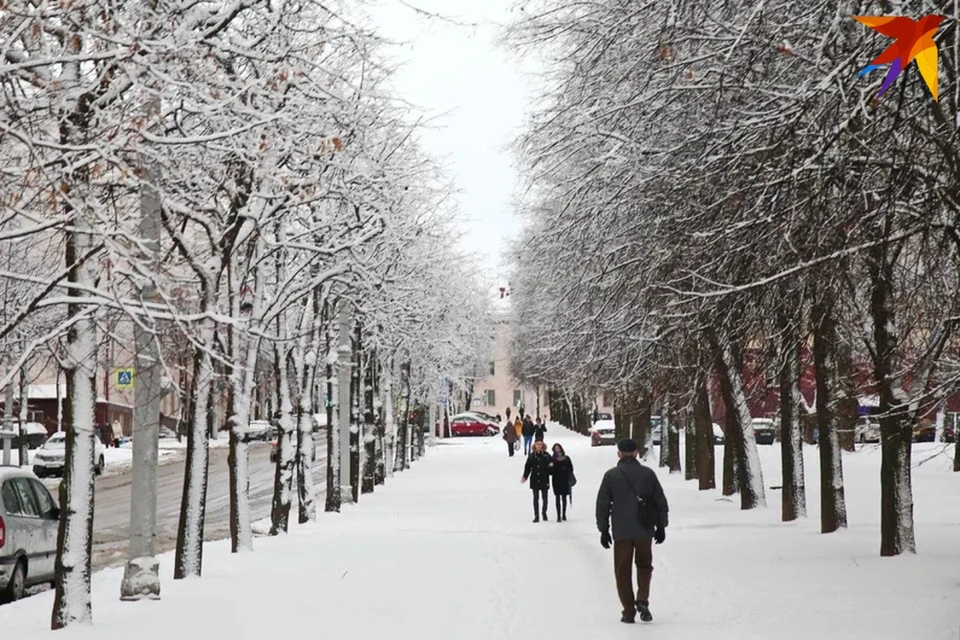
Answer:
[(111, 520)]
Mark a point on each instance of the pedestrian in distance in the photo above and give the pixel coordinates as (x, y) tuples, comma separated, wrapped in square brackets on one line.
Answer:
[(561, 470), (537, 471), (631, 497), (510, 437), (539, 430), (527, 429), (518, 427)]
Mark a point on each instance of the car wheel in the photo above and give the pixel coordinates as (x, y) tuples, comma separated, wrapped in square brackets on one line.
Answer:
[(100, 466), (15, 587), (37, 471)]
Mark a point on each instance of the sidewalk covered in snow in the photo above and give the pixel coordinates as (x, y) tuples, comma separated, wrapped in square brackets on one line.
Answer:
[(448, 550)]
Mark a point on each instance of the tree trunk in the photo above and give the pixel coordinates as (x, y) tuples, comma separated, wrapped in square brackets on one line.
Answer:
[(896, 491), (403, 433), (665, 420), (706, 471), (332, 501), (380, 450), (369, 436), (72, 603), (188, 561), (749, 477), (673, 435), (793, 502), (355, 426), (306, 509), (283, 477), (642, 426), (689, 445), (833, 510)]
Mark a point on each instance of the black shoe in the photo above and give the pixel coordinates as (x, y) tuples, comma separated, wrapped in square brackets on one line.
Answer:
[(564, 517), (643, 608), (627, 620), (536, 519)]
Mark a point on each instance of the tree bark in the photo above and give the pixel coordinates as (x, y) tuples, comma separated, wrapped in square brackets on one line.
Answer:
[(689, 445), (706, 471), (333, 495), (672, 435), (833, 510), (355, 426), (749, 476), (369, 436), (896, 491), (283, 477), (793, 502)]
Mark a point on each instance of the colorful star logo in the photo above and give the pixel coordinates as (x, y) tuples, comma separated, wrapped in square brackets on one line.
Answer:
[(914, 40)]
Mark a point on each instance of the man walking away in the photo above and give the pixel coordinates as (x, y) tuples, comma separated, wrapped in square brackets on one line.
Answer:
[(528, 430), (630, 495)]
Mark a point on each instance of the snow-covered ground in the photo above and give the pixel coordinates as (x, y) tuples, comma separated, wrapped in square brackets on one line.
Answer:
[(448, 550)]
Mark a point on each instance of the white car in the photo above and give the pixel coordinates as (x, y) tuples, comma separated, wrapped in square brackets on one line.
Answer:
[(603, 432), (49, 459), (29, 519), (259, 430), (718, 436)]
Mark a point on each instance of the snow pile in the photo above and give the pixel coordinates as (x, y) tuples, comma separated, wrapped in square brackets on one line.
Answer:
[(447, 549)]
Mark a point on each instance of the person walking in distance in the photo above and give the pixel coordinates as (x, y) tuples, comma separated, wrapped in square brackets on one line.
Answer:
[(561, 470), (631, 496), (510, 437), (518, 427), (527, 430), (539, 430), (537, 470)]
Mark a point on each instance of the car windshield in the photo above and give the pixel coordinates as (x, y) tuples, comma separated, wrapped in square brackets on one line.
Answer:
[(56, 442)]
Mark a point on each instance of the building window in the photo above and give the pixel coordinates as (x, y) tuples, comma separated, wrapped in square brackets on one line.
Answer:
[(518, 397), (490, 398), (493, 370)]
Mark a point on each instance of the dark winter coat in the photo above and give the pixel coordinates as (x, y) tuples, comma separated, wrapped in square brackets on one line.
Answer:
[(539, 431), (509, 433), (617, 500), (537, 470), (528, 428), (561, 472)]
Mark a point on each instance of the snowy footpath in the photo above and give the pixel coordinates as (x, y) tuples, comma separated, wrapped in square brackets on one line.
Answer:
[(448, 550)]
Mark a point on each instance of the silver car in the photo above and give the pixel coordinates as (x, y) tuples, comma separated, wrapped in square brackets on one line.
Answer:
[(29, 519)]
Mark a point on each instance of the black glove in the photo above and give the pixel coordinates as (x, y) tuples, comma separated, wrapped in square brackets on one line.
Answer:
[(660, 535), (605, 540)]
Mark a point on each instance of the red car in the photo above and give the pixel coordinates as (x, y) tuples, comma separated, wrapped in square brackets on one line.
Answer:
[(469, 426)]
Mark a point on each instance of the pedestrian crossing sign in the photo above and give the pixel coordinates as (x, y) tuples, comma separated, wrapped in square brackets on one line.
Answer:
[(124, 378)]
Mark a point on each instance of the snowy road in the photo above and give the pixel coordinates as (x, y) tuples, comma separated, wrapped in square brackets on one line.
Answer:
[(111, 521), (447, 550)]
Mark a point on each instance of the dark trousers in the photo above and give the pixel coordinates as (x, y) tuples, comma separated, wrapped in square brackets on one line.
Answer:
[(561, 507), (510, 448), (537, 495), (626, 553), (527, 444)]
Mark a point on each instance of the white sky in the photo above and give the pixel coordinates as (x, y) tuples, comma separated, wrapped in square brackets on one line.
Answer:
[(460, 74)]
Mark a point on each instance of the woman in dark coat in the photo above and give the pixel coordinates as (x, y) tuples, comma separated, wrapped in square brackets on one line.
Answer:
[(537, 470), (561, 468), (510, 436)]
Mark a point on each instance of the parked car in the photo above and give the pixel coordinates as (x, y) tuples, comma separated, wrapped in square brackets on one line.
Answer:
[(603, 432), (29, 519), (867, 430), (656, 429), (319, 421), (259, 430), (719, 437), (34, 433), (274, 451), (50, 458), (471, 425), (468, 416), (764, 430), (167, 434), (600, 416)]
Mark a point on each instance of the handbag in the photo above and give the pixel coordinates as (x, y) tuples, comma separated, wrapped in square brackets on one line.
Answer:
[(647, 513)]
